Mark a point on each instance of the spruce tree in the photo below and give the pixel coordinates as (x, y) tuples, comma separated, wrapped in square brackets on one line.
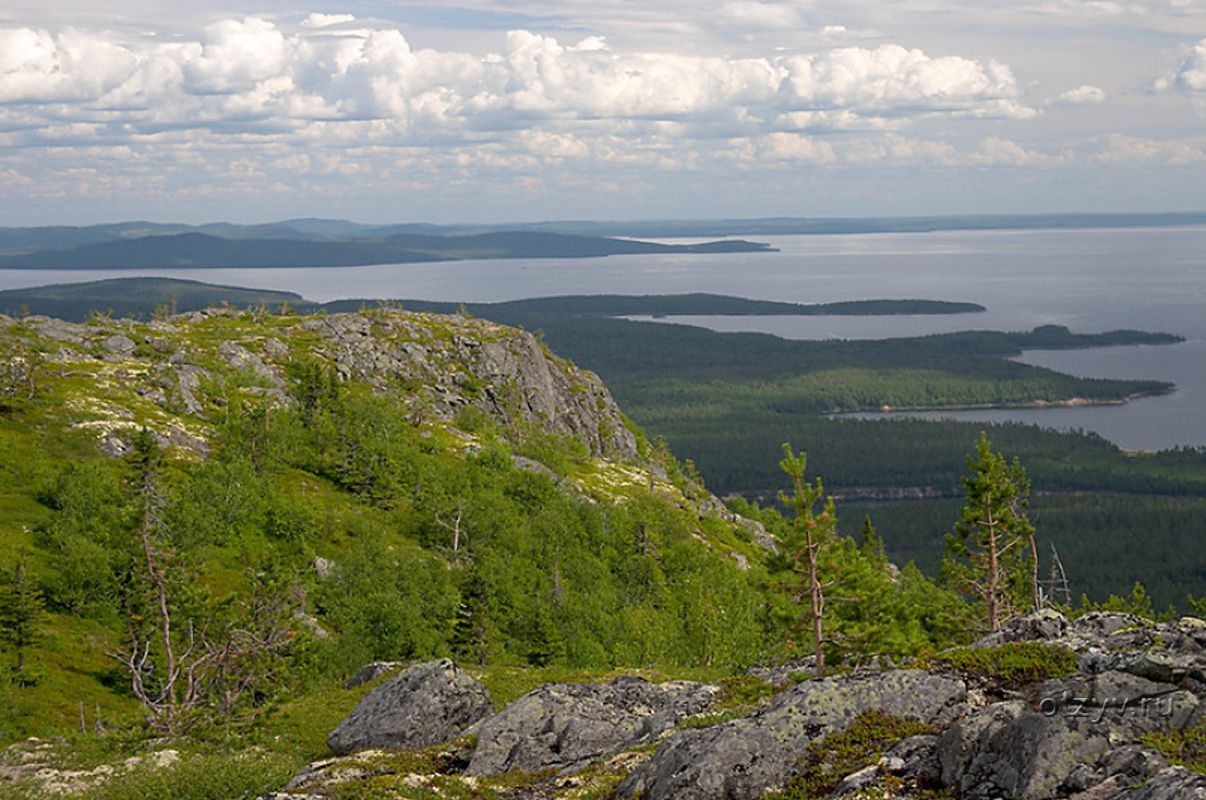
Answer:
[(548, 646), (21, 609), (472, 632), (871, 545)]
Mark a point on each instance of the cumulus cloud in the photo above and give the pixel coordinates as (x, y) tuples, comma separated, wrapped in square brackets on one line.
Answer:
[(1081, 96), (250, 75), (1191, 76), (40, 67)]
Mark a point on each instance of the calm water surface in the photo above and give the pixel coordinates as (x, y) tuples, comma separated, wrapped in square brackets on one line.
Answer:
[(1154, 279)]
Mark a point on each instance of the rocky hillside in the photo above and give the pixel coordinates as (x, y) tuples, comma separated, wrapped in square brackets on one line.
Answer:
[(153, 374), (416, 485), (469, 577), (1103, 706)]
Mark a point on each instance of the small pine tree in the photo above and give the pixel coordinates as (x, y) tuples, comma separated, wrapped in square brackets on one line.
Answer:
[(21, 610), (808, 535), (992, 554)]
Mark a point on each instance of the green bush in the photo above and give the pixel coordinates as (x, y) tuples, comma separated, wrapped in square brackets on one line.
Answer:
[(1014, 662)]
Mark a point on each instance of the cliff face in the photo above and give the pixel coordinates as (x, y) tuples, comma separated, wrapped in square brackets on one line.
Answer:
[(452, 362), (169, 375)]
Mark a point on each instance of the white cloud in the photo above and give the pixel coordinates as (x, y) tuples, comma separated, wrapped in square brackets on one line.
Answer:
[(1191, 76), (901, 81), (40, 67), (997, 152), (251, 75), (757, 14), (1120, 149), (1080, 96), (235, 56), (317, 20)]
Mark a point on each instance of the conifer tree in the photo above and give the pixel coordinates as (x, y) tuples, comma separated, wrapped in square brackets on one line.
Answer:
[(472, 631), (871, 545), (548, 646), (21, 608), (808, 535), (992, 555)]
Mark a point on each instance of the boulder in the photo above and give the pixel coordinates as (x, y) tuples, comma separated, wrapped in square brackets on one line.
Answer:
[(564, 725), (1046, 625), (959, 744), (780, 674), (741, 758), (1135, 762), (239, 357), (1017, 754), (371, 672), (119, 344), (1174, 783), (423, 706)]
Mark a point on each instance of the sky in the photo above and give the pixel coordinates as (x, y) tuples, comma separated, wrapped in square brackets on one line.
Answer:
[(490, 111)]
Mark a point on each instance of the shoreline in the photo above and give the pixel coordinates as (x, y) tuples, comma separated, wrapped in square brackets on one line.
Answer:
[(1071, 402)]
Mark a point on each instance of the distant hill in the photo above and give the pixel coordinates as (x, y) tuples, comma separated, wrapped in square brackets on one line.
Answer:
[(138, 298), (191, 250), (25, 241)]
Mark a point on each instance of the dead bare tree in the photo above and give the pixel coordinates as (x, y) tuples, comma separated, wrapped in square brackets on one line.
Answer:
[(1057, 584), (452, 523), (177, 672)]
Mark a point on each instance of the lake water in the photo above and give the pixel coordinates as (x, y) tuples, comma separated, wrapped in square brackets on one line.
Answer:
[(1089, 280)]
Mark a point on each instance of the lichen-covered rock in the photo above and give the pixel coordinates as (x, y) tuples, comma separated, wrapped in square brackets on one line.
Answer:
[(462, 362), (239, 357), (567, 724), (740, 759), (423, 706), (1029, 757), (1043, 626), (119, 344), (1077, 740), (1174, 783), (780, 674)]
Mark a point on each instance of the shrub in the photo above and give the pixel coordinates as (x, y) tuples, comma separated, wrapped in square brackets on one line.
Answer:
[(1015, 662), (1184, 748)]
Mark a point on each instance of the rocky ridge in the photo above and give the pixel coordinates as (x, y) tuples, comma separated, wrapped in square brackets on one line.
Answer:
[(1099, 733), (161, 375)]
